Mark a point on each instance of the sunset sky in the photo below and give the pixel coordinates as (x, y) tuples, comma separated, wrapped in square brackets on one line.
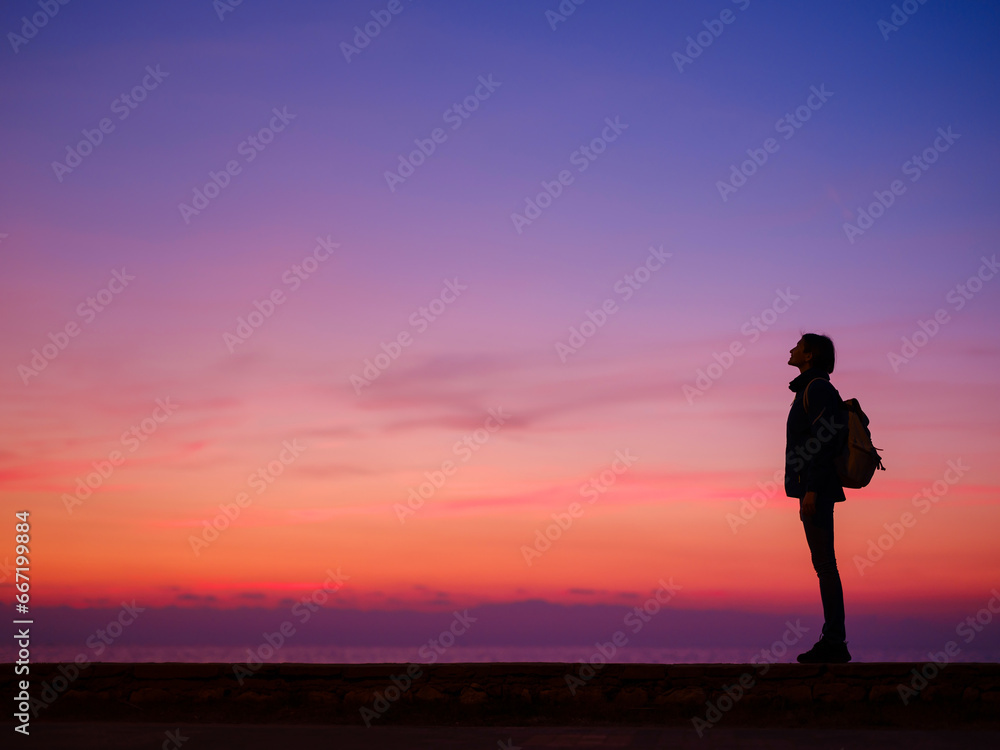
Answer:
[(545, 236)]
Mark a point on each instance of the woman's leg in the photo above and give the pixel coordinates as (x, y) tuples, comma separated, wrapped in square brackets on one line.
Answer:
[(819, 536)]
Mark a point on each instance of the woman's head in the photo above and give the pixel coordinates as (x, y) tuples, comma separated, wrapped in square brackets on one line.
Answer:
[(820, 347)]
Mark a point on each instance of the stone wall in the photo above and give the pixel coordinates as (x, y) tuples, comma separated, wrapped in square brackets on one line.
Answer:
[(520, 694)]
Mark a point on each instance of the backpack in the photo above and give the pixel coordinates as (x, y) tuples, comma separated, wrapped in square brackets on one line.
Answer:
[(858, 458)]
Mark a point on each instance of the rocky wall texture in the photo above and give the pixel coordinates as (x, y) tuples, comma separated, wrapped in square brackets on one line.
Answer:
[(701, 695)]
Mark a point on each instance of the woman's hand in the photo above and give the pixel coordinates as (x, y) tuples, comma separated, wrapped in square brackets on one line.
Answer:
[(808, 506)]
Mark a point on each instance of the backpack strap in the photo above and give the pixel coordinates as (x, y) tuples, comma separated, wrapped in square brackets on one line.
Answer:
[(805, 395)]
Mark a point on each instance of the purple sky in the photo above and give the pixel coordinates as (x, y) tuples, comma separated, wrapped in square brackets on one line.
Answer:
[(814, 167)]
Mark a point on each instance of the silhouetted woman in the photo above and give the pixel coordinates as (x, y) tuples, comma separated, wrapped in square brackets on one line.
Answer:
[(814, 434)]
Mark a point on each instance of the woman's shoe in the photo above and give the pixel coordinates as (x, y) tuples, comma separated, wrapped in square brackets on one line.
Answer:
[(826, 651)]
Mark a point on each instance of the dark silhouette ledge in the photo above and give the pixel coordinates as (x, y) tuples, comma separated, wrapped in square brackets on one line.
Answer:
[(509, 694)]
